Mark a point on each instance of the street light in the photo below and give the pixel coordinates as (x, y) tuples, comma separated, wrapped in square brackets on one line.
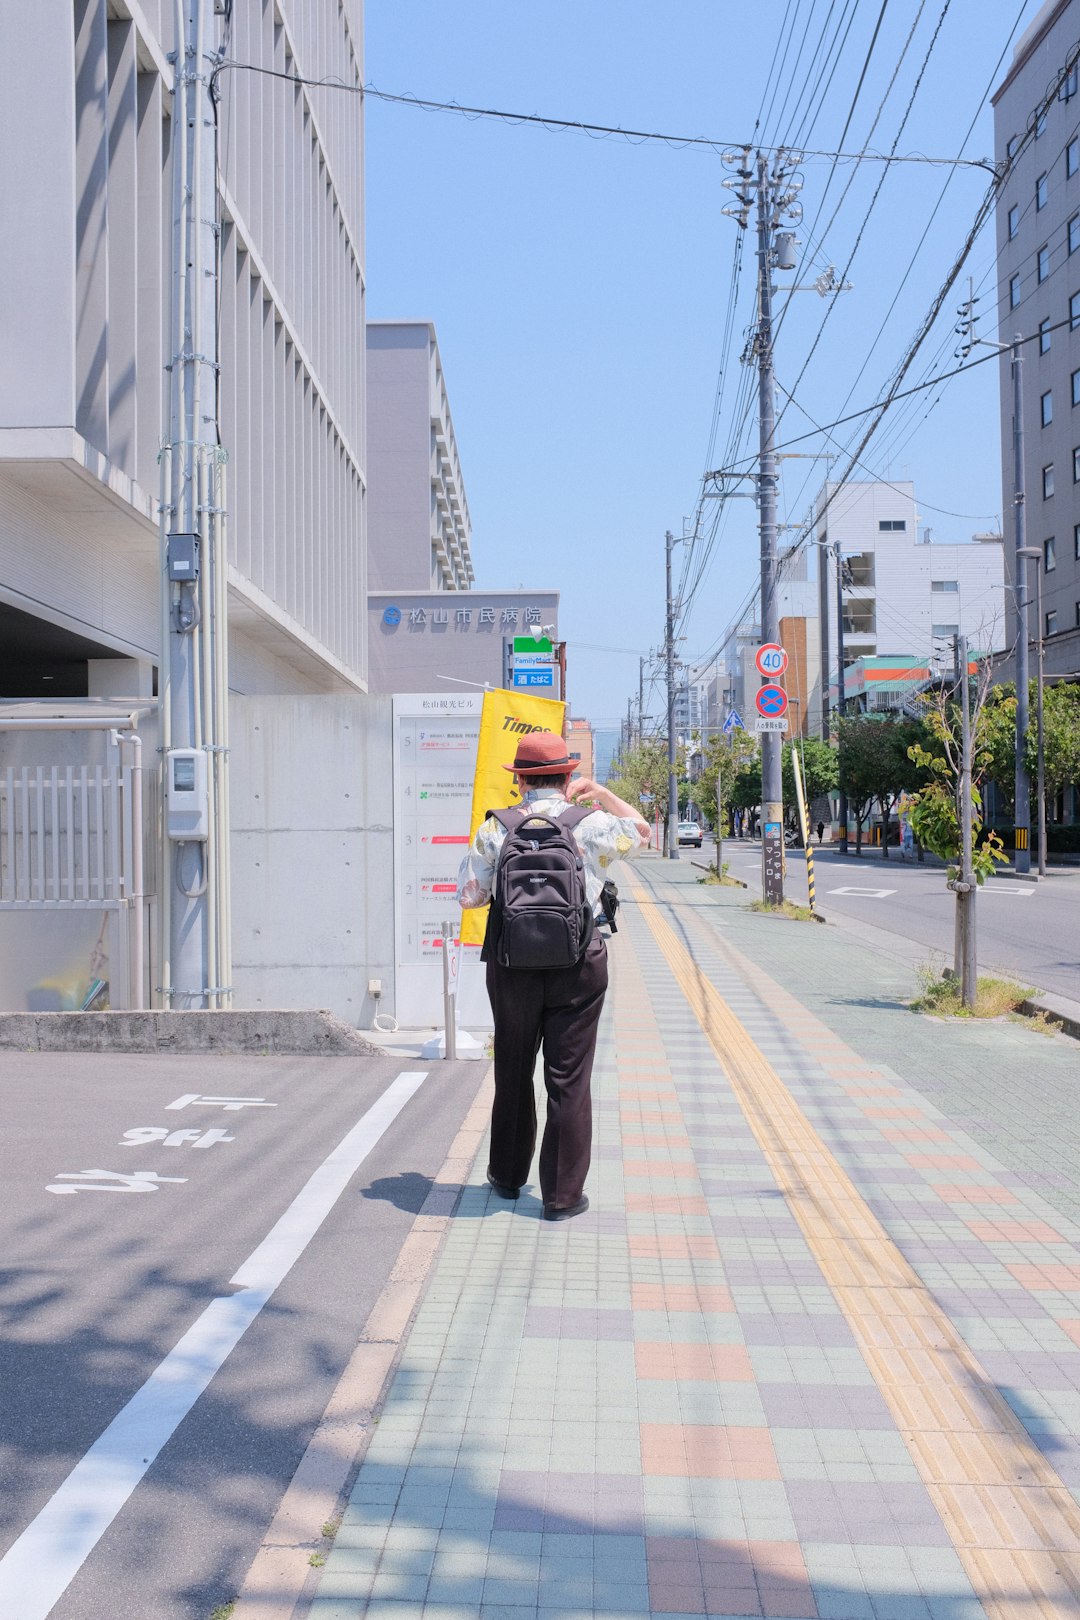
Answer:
[(1033, 554)]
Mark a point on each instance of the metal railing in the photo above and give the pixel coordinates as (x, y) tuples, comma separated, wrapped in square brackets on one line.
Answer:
[(72, 839), (65, 836)]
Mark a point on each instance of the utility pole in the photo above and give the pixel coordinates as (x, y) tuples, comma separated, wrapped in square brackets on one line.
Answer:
[(1022, 855), (1033, 554), (770, 204), (673, 786), (966, 886), (194, 659), (840, 692), (641, 698), (776, 197)]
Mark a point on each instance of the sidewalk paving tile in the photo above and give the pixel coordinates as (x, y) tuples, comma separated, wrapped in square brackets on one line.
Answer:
[(662, 1408)]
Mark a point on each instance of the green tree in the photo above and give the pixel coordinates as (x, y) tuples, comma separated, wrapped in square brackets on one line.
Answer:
[(724, 758), (1061, 740), (876, 766), (820, 770), (643, 770), (938, 754)]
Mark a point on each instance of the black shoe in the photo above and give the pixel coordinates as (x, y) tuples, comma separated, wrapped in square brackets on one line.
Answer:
[(553, 1213), (501, 1187)]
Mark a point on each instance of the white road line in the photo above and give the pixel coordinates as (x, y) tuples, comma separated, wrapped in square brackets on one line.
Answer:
[(38, 1568), (867, 894)]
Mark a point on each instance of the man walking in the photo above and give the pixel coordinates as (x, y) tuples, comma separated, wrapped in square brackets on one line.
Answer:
[(557, 1008)]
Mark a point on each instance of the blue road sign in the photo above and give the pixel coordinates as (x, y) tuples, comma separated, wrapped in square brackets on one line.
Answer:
[(733, 722), (526, 679), (771, 701)]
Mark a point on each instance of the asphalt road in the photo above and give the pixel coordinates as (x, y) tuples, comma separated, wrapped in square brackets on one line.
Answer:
[(99, 1287), (1031, 931)]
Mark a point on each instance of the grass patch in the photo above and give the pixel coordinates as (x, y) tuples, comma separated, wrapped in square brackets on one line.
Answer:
[(994, 998), (223, 1611), (786, 908), (714, 879)]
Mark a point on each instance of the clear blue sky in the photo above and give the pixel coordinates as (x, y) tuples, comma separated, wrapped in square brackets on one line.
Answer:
[(579, 286)]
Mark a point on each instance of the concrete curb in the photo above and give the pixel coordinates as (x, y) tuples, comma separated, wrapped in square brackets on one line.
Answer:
[(731, 880), (1035, 1006), (282, 1031)]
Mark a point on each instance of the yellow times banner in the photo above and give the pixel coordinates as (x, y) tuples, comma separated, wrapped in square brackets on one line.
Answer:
[(504, 719)]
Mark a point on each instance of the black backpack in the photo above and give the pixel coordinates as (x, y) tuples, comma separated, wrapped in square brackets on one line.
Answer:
[(540, 915)]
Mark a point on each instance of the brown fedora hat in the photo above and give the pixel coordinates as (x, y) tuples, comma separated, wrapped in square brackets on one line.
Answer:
[(541, 753)]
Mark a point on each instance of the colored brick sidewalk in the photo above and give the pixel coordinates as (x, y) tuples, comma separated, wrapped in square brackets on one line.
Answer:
[(814, 1351)]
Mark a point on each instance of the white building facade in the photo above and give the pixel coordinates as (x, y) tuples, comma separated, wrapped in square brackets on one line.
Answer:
[(418, 517), (902, 593), (85, 281), (86, 103), (1038, 248)]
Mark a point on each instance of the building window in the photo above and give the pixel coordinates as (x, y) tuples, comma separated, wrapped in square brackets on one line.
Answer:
[(1046, 403), (859, 569), (1074, 233), (892, 525), (943, 630), (1078, 615), (1043, 262), (1014, 291), (1049, 556), (1048, 481), (1040, 124), (945, 585), (1011, 145), (1076, 387), (1076, 541), (860, 618), (1067, 88), (1076, 464), (1044, 336), (1051, 623), (1014, 221), (1072, 159), (1040, 193)]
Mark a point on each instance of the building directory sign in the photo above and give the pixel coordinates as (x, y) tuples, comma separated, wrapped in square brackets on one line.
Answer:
[(434, 765)]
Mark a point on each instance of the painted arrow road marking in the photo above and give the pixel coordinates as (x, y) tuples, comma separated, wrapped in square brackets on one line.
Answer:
[(109, 1181)]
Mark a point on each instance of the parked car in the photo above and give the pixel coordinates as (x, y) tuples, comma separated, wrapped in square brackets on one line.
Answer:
[(690, 833)]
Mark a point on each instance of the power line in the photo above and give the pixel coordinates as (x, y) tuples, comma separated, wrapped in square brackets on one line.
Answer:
[(636, 137)]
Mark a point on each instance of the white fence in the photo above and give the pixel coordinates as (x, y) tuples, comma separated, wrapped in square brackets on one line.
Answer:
[(71, 838), (65, 836)]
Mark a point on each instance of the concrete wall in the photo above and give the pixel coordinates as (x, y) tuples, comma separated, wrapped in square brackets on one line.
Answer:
[(312, 852)]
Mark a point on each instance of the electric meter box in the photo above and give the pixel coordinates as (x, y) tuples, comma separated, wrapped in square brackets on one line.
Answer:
[(187, 795)]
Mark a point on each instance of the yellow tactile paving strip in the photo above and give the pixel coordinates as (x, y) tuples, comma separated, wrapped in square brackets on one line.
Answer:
[(1015, 1525)]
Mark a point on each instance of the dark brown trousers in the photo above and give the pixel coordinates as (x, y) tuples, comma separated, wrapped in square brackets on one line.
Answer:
[(558, 1009)]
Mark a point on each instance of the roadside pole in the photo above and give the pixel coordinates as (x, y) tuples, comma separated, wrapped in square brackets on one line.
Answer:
[(842, 808), (966, 887), (772, 807), (1022, 814), (804, 819), (673, 786), (195, 965)]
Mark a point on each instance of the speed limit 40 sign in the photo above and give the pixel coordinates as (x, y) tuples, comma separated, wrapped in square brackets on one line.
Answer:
[(770, 659)]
